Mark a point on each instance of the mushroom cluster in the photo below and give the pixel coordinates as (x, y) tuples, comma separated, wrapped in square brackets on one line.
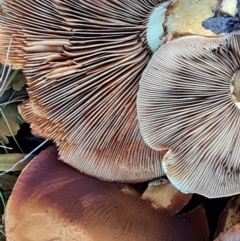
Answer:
[(83, 61), (189, 101)]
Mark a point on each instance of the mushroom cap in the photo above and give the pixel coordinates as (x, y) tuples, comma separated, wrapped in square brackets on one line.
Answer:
[(83, 61), (185, 103), (53, 201)]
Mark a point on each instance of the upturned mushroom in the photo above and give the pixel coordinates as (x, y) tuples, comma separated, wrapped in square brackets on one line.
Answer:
[(188, 101), (83, 61), (59, 203)]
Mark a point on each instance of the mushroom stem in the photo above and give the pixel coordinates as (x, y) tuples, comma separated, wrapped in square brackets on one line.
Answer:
[(183, 20), (155, 29), (235, 89)]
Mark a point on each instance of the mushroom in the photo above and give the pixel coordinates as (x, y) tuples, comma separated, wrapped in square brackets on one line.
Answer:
[(53, 201), (188, 101), (83, 61), (229, 222)]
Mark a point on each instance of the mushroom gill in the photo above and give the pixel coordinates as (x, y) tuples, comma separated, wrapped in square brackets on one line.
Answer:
[(188, 101), (83, 61)]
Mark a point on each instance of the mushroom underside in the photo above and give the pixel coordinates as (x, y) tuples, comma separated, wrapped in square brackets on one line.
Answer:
[(83, 61), (186, 103)]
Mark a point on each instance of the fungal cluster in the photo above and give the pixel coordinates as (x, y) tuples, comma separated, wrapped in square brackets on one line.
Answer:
[(129, 90)]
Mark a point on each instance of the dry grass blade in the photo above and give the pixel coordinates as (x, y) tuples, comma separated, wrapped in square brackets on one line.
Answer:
[(5, 147)]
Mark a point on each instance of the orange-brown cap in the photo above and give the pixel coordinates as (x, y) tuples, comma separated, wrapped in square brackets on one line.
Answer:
[(53, 201), (188, 101)]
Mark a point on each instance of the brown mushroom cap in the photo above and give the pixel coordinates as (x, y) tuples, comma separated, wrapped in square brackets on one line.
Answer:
[(187, 102), (53, 201), (83, 61)]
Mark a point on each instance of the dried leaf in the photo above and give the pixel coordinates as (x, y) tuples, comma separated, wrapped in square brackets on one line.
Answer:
[(163, 195), (6, 77), (18, 82), (7, 182), (7, 161), (9, 122)]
